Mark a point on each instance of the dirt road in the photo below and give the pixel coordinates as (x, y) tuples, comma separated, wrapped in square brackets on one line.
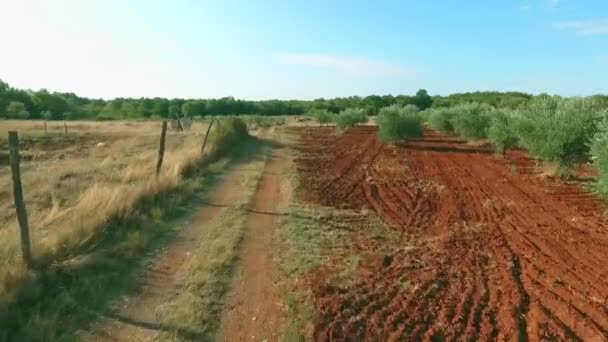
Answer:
[(136, 318), (254, 311), (497, 252)]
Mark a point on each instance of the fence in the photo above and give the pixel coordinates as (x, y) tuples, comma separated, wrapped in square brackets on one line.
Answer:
[(18, 196)]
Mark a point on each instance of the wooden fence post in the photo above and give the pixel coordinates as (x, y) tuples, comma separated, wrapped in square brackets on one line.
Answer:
[(161, 148), (65, 127), (207, 136), (179, 122), (13, 143), (45, 130)]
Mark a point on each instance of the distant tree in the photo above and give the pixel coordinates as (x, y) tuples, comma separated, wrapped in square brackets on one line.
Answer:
[(174, 108), (193, 108), (54, 103), (160, 108), (145, 106), (422, 99), (16, 110)]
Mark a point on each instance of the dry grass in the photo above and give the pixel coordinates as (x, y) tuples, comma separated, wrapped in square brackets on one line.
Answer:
[(74, 184)]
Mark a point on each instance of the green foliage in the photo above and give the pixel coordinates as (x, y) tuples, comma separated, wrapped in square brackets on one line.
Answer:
[(558, 130), (349, 118), (46, 115), (422, 99), (441, 119), (398, 122), (502, 131), (599, 153), (508, 100), (322, 116), (16, 110), (360, 116), (471, 120)]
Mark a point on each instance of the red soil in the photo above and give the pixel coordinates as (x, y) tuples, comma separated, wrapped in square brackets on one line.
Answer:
[(497, 252)]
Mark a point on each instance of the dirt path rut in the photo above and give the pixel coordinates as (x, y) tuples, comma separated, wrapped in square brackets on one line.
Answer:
[(136, 319), (253, 310)]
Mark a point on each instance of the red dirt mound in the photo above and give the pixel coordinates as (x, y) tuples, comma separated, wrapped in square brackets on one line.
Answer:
[(498, 253)]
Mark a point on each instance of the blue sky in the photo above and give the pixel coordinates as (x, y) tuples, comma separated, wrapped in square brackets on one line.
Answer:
[(304, 49)]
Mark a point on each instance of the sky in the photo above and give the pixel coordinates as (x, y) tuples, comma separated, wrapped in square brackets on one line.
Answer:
[(303, 49)]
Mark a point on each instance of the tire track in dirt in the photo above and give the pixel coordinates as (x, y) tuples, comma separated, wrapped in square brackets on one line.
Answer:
[(254, 310), (135, 319), (498, 253)]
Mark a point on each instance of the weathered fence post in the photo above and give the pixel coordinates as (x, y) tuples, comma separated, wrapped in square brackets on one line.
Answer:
[(179, 122), (161, 148), (65, 127), (45, 130), (13, 143), (207, 136)]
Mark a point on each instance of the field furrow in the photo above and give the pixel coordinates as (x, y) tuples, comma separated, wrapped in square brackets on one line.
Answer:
[(498, 251)]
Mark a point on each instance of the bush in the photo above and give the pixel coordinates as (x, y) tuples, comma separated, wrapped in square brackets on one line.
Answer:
[(349, 118), (360, 116), (440, 119), (396, 123), (321, 115), (599, 153), (559, 130), (229, 132), (501, 132), (471, 120)]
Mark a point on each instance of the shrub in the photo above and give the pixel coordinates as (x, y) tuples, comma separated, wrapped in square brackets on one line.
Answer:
[(501, 132), (440, 119), (360, 116), (397, 122), (229, 132), (559, 130), (599, 153), (349, 118), (471, 120), (321, 115)]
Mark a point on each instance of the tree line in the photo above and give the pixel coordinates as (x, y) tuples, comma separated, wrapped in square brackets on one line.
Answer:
[(42, 104)]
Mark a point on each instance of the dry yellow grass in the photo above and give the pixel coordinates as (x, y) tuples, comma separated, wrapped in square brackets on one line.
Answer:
[(74, 184)]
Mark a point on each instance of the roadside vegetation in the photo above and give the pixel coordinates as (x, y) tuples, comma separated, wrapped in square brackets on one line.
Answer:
[(89, 243), (396, 123)]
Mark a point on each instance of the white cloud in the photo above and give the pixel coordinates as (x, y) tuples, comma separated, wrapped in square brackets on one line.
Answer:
[(585, 27), (349, 65)]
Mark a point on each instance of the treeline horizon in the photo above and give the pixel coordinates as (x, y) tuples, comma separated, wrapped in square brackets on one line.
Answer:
[(28, 104)]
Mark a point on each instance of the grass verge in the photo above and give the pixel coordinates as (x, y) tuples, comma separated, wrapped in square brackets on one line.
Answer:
[(52, 302), (193, 314), (316, 240)]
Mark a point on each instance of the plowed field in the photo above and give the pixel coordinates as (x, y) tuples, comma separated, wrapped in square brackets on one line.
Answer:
[(498, 253)]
